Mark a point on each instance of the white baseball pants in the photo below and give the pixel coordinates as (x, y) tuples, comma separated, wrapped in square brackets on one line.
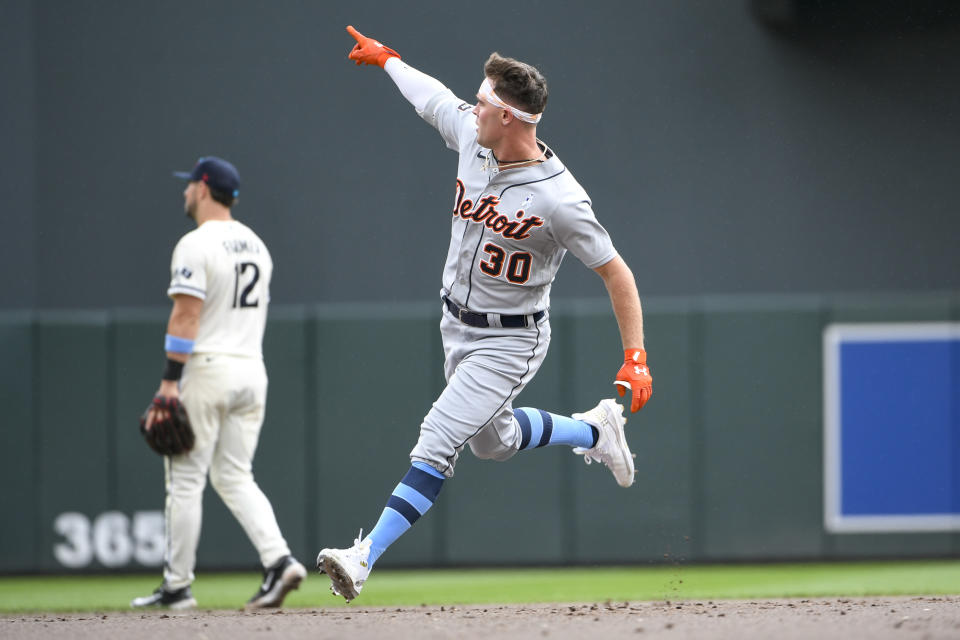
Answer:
[(225, 398)]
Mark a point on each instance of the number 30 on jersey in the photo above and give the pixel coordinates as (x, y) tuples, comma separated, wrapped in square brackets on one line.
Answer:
[(517, 263)]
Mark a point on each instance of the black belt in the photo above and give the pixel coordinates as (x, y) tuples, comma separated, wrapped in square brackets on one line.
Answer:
[(475, 319)]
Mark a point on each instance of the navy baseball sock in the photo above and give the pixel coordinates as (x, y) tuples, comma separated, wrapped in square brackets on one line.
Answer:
[(539, 429), (415, 494)]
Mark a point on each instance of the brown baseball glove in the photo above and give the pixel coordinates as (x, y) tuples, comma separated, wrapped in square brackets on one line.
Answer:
[(170, 432)]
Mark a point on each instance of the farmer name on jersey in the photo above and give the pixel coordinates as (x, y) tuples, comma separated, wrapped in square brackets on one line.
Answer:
[(487, 214), (237, 245)]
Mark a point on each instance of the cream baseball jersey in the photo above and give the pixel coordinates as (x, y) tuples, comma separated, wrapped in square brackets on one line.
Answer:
[(225, 264), (511, 228)]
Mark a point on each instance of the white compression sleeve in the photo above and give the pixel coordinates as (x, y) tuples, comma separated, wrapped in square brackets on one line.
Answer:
[(416, 87)]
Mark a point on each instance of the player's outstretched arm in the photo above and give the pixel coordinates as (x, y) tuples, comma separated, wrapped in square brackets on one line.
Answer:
[(416, 87), (634, 374)]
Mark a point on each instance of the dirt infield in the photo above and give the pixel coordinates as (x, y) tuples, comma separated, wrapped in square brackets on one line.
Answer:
[(927, 618)]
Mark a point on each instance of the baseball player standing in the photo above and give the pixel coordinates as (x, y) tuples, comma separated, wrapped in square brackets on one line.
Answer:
[(517, 211), (220, 285)]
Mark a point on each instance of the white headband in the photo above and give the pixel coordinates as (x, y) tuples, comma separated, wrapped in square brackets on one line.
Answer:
[(486, 92)]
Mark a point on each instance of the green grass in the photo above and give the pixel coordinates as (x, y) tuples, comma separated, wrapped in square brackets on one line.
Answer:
[(476, 586)]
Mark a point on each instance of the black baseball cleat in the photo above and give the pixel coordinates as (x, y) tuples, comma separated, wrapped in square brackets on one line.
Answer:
[(177, 600), (279, 580)]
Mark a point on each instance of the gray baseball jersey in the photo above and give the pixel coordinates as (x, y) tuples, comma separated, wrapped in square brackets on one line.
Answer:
[(509, 233), (512, 228)]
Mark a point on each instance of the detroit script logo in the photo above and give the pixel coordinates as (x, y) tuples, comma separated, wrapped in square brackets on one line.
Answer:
[(485, 212)]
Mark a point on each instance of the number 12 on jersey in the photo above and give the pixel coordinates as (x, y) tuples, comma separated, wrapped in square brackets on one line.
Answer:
[(247, 276)]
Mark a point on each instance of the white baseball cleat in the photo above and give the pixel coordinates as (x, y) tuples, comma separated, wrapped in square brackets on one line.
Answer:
[(348, 569), (611, 448)]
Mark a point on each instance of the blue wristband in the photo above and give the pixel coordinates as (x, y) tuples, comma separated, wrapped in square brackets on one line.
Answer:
[(177, 345)]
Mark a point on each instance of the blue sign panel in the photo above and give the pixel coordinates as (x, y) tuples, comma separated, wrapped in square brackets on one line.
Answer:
[(892, 427)]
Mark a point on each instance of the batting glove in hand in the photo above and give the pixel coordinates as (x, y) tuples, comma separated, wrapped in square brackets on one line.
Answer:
[(166, 427), (369, 51), (635, 375)]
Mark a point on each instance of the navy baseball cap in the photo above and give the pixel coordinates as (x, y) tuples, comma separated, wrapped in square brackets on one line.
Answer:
[(217, 173)]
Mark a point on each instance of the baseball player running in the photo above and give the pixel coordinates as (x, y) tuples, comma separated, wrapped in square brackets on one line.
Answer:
[(220, 285), (517, 211)]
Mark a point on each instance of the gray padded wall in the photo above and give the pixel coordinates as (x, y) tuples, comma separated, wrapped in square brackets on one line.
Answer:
[(721, 155)]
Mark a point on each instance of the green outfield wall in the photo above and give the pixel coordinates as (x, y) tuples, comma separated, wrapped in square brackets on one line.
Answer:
[(729, 451)]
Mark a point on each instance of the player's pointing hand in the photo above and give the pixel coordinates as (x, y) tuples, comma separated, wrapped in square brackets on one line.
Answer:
[(635, 375), (369, 51)]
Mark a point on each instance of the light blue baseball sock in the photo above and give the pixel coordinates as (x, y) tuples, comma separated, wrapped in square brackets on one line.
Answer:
[(415, 494), (539, 429)]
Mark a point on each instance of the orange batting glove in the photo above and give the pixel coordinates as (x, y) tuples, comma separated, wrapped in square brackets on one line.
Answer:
[(635, 375), (369, 51)]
